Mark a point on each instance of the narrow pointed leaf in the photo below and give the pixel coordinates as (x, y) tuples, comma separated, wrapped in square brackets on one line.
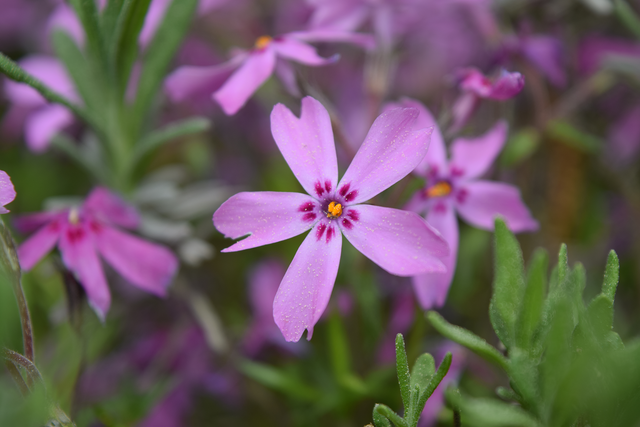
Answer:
[(508, 284), (87, 12), (109, 20), (125, 38), (483, 412), (402, 369), (533, 300), (278, 380), (423, 370), (628, 17), (611, 276), (600, 313), (467, 339), (563, 264), (387, 412), (160, 52), (436, 379), (380, 420)]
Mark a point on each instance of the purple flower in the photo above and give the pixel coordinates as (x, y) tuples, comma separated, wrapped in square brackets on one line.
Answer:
[(7, 192), (453, 186), (475, 86), (594, 52), (624, 136), (400, 242), (234, 81), (81, 233), (42, 120)]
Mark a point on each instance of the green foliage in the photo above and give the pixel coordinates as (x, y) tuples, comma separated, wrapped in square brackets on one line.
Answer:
[(415, 387), (628, 17), (565, 364)]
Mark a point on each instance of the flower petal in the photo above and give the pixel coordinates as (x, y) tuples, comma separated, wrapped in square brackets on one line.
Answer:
[(79, 255), (190, 81), (295, 50), (366, 41), (255, 70), (479, 202), (432, 288), (472, 157), (400, 242), (38, 245), (7, 192), (266, 216), (546, 53), (147, 265), (44, 124), (436, 159), (507, 85), (390, 151), (305, 290), (108, 207), (306, 143), (31, 222)]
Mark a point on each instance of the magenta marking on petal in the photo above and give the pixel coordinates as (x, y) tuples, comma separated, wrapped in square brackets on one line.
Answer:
[(353, 215), (440, 208), (319, 189), (308, 217), (461, 195), (327, 185), (54, 226), (330, 233), (456, 171), (306, 207), (351, 196), (347, 224), (75, 234), (95, 226), (320, 231), (345, 189)]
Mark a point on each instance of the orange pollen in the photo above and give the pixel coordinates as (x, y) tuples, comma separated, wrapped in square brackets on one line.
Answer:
[(439, 190), (262, 42), (74, 216), (335, 210)]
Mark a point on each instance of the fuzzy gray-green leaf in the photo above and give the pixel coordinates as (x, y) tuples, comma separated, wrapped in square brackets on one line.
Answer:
[(531, 311), (611, 276), (402, 368)]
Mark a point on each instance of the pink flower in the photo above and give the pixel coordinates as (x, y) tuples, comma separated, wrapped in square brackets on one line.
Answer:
[(234, 81), (7, 192), (400, 242), (83, 233), (41, 119), (453, 186), (475, 86)]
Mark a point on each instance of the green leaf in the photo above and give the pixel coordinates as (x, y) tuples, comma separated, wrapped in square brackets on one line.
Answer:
[(380, 420), (628, 17), (467, 339), (423, 370), (88, 14), (436, 379), (563, 264), (520, 147), (15, 72), (160, 52), (124, 48), (168, 133), (402, 369), (611, 275), (340, 356), (79, 69), (557, 344), (533, 300), (109, 19), (508, 284), (570, 135), (385, 411), (507, 394), (600, 313), (278, 380), (71, 149), (483, 412)]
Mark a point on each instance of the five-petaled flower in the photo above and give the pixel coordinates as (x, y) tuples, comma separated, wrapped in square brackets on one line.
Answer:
[(81, 233), (398, 241), (453, 186), (233, 82)]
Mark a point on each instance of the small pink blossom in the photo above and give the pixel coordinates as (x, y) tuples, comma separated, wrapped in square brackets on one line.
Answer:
[(7, 192), (476, 86), (233, 82), (453, 185), (83, 233), (400, 242)]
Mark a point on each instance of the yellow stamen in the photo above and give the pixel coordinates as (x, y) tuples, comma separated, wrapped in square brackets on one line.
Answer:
[(335, 210), (262, 42), (439, 190), (74, 216)]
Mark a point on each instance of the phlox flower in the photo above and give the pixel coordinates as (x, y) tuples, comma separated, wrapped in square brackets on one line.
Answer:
[(476, 86), (400, 242), (233, 82), (7, 192), (42, 120), (84, 232), (453, 185)]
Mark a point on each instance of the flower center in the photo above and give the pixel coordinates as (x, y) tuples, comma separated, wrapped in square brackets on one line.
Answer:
[(262, 42), (334, 210), (440, 189), (74, 216)]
